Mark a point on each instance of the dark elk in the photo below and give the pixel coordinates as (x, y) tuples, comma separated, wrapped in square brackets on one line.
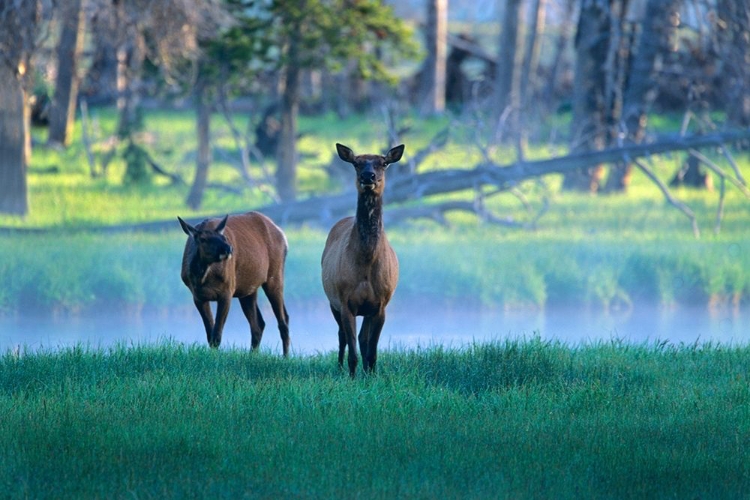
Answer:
[(233, 257), (360, 269)]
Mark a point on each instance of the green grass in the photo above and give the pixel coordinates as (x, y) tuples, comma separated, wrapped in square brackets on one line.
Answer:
[(602, 252), (520, 419)]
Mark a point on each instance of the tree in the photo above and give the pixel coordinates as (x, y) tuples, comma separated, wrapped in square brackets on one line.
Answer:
[(319, 33), (62, 112), (506, 90), (589, 100), (19, 25), (434, 69), (733, 33), (640, 88)]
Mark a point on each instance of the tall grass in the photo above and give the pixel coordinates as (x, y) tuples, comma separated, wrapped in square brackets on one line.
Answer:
[(603, 252), (456, 267), (521, 419)]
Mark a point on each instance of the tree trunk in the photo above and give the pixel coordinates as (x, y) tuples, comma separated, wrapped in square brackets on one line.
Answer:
[(506, 67), (734, 25), (286, 155), (561, 41), (14, 136), (130, 58), (639, 92), (203, 160), (589, 101), (436, 31), (62, 114), (529, 66)]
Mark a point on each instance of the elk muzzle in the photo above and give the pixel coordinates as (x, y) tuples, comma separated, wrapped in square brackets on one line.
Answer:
[(367, 179)]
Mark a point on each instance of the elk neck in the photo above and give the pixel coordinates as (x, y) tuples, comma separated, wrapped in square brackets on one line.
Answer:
[(369, 222)]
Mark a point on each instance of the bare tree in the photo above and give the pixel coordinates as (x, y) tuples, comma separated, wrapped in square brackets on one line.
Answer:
[(19, 25), (434, 70), (733, 28), (649, 32), (62, 112), (589, 99), (506, 91)]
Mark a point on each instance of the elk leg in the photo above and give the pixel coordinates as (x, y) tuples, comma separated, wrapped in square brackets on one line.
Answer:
[(349, 325), (364, 337), (204, 308), (275, 296), (222, 309), (249, 305), (376, 326), (342, 336)]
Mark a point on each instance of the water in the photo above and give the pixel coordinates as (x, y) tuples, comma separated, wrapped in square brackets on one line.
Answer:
[(313, 329)]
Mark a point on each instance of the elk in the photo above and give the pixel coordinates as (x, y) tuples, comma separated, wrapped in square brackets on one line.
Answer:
[(233, 257), (359, 266)]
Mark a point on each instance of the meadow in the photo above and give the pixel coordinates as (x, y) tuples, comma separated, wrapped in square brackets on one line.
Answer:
[(506, 419), (527, 419), (607, 252)]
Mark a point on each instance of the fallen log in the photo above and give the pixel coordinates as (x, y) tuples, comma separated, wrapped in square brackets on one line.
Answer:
[(324, 210)]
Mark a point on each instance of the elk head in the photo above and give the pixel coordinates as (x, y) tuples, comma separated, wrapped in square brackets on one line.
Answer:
[(370, 168), (211, 243)]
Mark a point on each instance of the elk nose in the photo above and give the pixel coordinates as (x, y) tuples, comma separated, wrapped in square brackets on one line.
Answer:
[(367, 178)]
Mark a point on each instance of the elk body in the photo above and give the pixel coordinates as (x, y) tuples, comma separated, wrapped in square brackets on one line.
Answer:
[(359, 267), (234, 257)]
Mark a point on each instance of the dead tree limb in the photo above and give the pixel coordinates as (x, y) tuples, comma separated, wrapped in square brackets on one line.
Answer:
[(327, 209), (718, 171), (671, 199)]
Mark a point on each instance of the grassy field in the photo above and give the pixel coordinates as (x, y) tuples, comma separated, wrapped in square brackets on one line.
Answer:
[(602, 252), (508, 420), (514, 419)]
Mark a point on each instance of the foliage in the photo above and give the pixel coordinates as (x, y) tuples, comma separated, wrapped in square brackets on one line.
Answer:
[(521, 419), (329, 33)]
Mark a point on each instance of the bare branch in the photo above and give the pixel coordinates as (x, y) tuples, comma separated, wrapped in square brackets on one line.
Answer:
[(718, 171), (665, 191)]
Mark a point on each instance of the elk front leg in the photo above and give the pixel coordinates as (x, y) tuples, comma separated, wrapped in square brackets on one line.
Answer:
[(376, 326), (222, 309), (342, 336), (349, 327), (204, 308)]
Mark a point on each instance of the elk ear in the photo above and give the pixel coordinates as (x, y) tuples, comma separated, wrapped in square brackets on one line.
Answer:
[(189, 230), (394, 154), (345, 153), (222, 225)]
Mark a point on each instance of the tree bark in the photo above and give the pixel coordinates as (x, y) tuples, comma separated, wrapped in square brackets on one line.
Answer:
[(14, 135), (506, 61), (62, 113), (639, 93), (203, 160), (286, 155), (589, 101), (130, 57), (529, 66), (734, 22), (436, 31)]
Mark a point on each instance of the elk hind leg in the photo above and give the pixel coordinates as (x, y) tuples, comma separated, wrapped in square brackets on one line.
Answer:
[(342, 336), (275, 296)]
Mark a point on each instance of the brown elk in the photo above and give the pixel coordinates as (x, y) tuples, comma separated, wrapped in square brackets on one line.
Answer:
[(233, 257), (360, 269)]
